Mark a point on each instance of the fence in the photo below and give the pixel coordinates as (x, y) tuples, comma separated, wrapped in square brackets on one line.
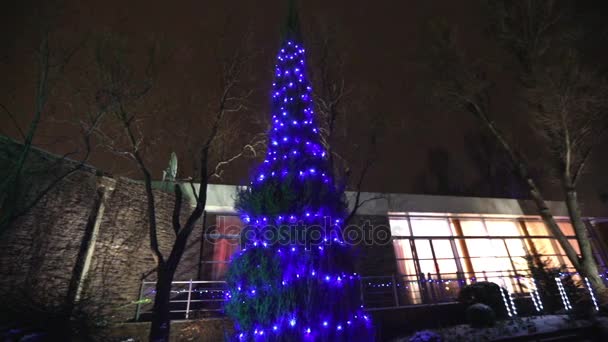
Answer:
[(195, 298), (399, 291), (188, 298)]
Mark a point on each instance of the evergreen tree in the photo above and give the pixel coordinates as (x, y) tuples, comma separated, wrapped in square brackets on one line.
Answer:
[(294, 279)]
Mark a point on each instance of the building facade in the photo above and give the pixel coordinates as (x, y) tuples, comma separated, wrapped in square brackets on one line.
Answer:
[(422, 249), (87, 240)]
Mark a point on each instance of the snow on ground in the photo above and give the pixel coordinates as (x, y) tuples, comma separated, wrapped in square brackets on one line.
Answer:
[(508, 328)]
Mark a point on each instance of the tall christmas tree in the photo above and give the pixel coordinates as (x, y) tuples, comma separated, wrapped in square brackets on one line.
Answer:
[(294, 278)]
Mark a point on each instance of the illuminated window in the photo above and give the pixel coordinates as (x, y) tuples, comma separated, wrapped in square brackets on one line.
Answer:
[(221, 240), (473, 228), (492, 249), (566, 228), (537, 228), (503, 228), (430, 227)]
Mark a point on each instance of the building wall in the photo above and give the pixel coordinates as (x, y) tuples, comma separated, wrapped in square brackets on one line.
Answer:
[(375, 258), (122, 257), (39, 254), (42, 256)]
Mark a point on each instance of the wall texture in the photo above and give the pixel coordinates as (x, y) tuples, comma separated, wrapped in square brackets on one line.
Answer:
[(38, 252), (43, 255)]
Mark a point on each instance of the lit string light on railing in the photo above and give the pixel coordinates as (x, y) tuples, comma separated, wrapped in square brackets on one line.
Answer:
[(590, 289), (538, 304), (513, 308), (563, 294), (505, 302)]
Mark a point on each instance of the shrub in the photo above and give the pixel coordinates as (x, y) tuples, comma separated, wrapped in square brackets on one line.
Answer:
[(485, 293), (425, 336), (545, 273), (480, 316)]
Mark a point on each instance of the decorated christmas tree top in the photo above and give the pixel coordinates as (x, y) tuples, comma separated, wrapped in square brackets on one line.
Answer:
[(294, 183)]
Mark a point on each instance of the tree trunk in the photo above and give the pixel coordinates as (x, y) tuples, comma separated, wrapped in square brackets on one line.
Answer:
[(588, 267), (160, 327), (522, 169)]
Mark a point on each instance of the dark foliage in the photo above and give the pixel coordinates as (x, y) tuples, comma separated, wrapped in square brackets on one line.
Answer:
[(485, 293), (480, 316)]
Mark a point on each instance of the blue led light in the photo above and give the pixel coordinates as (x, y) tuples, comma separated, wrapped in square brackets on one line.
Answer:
[(297, 160)]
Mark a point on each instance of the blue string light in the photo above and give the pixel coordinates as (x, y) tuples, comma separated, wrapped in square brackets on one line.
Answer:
[(297, 159)]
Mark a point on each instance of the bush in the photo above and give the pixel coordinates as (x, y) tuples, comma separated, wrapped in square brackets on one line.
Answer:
[(480, 316), (544, 274), (425, 336), (485, 293)]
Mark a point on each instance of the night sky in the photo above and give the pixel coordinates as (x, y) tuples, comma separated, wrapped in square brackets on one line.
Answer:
[(380, 42)]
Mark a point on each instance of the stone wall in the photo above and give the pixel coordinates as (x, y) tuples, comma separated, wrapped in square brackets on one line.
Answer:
[(43, 255), (38, 252), (122, 257)]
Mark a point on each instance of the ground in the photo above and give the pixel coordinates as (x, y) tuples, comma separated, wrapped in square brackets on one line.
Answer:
[(518, 327)]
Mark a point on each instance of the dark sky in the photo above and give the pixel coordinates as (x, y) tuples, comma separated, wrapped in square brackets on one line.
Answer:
[(380, 42)]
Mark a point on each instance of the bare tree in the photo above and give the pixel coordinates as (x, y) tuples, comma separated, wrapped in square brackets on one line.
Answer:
[(570, 108), (528, 30), (566, 99), (119, 94), (18, 194), (331, 95), (462, 84)]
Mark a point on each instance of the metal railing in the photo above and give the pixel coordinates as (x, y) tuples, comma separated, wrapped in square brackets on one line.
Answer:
[(201, 297), (396, 291), (399, 291), (187, 298)]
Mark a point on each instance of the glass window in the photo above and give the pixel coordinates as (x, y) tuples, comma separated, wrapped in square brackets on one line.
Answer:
[(537, 228), (573, 243), (480, 247), (423, 249), (542, 246), (520, 263), (490, 265), (566, 228), (430, 227), (503, 228), (473, 228), (427, 266), (443, 249), (399, 227), (498, 248), (406, 267), (221, 241), (516, 247), (403, 249), (447, 266)]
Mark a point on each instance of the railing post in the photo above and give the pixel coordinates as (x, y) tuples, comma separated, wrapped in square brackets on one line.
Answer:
[(141, 293), (395, 293), (189, 296)]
